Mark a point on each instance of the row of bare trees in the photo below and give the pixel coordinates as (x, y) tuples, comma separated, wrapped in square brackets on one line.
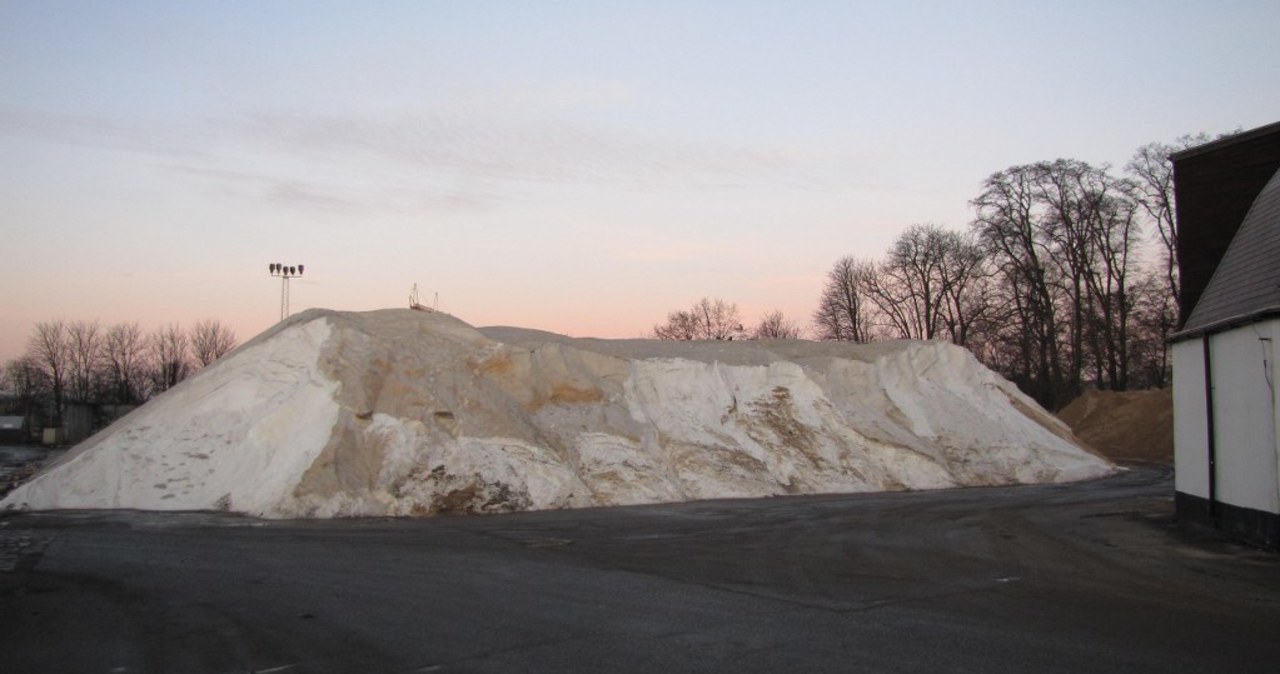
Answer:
[(1062, 238), (83, 362), (929, 285), (714, 318), (1067, 276)]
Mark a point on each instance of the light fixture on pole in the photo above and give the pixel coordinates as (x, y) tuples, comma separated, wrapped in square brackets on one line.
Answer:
[(285, 273)]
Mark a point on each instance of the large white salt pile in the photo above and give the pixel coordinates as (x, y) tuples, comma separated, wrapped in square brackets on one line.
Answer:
[(400, 412)]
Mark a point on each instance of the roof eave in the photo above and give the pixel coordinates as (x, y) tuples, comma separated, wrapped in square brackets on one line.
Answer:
[(1226, 324), (1225, 142)]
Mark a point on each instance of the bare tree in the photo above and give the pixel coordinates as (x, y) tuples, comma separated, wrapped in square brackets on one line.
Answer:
[(719, 319), (1049, 287), (22, 377), (211, 340), (1063, 239), (1112, 237), (774, 325), (908, 285), (680, 326), (966, 294), (49, 350), (169, 353), (844, 312), (25, 383), (1152, 172), (994, 334), (1154, 317), (708, 318), (1083, 211), (929, 285), (1008, 223), (84, 348), (124, 353)]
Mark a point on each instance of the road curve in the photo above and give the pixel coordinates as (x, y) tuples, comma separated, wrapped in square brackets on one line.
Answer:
[(1088, 577)]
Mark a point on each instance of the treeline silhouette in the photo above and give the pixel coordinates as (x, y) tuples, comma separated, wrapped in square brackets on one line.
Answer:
[(83, 362)]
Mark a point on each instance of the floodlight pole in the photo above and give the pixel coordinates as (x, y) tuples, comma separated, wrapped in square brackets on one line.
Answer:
[(285, 272), (284, 297)]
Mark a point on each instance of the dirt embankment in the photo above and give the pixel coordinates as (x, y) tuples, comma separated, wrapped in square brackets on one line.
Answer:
[(1124, 424)]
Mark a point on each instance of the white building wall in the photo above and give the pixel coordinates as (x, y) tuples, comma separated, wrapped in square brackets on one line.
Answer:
[(1273, 370), (1271, 330), (1190, 425), (1245, 416)]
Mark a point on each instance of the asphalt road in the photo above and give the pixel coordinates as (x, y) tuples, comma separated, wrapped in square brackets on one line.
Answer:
[(1081, 578)]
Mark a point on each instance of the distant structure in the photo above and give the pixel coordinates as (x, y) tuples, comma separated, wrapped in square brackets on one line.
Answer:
[(418, 306), (13, 430), (285, 273), (1226, 451)]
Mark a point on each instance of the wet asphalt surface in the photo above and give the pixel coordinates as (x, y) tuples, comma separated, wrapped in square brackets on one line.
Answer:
[(1090, 577)]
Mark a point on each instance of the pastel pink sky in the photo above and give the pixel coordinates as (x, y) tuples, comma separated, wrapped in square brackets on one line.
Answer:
[(583, 168)]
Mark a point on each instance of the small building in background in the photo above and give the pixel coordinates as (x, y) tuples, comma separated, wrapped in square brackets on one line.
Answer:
[(78, 422), (13, 430), (1226, 451)]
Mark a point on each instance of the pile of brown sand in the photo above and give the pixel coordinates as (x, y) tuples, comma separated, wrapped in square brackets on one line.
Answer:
[(1124, 424)]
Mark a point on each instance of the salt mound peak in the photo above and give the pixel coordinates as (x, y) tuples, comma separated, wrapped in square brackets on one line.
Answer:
[(400, 412)]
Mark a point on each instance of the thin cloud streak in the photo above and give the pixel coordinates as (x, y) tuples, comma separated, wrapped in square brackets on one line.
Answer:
[(401, 162), (140, 136), (539, 151)]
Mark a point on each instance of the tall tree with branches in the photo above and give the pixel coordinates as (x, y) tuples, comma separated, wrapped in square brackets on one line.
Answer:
[(170, 356), (844, 311), (928, 286), (966, 299), (1152, 173), (49, 350), (84, 344), (775, 325), (124, 352), (210, 340), (1008, 224), (708, 318), (25, 383)]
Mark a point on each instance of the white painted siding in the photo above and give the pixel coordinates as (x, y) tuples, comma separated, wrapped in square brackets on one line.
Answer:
[(1190, 426), (1245, 417), (1272, 329), (1275, 400)]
